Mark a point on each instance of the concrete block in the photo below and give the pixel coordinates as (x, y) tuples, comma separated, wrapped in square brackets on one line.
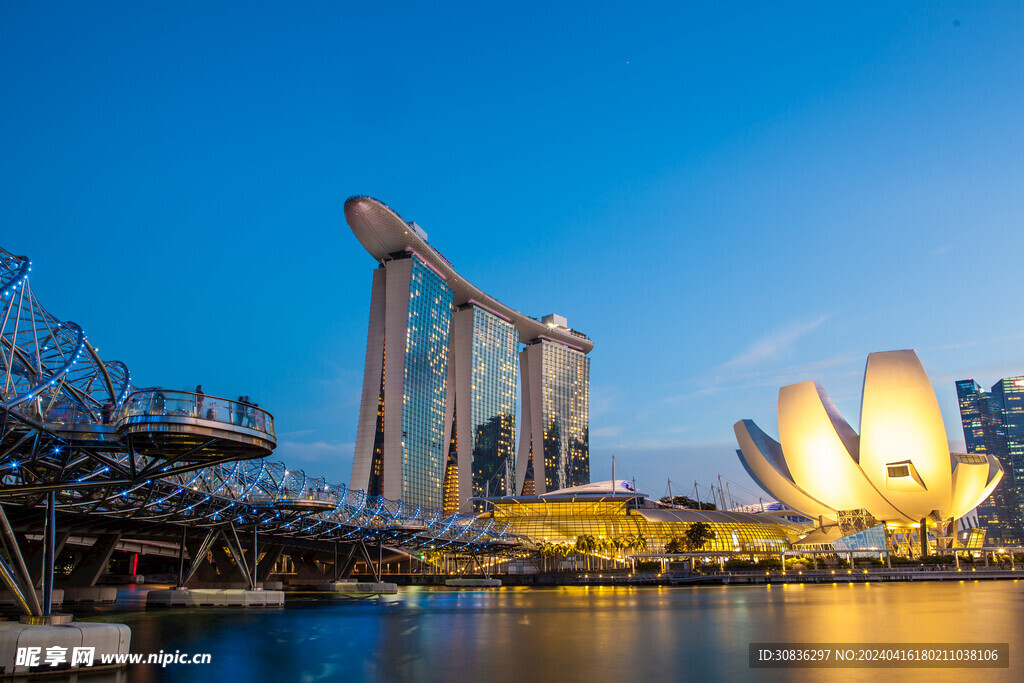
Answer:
[(473, 583), (105, 638), (357, 587), (94, 594), (58, 597), (211, 597)]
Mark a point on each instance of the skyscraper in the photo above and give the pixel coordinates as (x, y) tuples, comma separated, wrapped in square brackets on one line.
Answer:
[(993, 423), (400, 441), (437, 422), (554, 450), (483, 373)]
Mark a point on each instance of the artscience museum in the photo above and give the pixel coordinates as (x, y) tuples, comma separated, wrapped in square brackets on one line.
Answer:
[(897, 474)]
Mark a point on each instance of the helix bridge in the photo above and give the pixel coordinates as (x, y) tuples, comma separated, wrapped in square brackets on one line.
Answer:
[(80, 443)]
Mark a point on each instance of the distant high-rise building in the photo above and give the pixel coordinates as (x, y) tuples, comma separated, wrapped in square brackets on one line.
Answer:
[(993, 423), (437, 421)]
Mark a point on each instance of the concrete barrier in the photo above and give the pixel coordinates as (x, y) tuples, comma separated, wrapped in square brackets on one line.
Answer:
[(473, 583), (352, 586), (212, 597), (105, 638), (58, 597), (87, 594)]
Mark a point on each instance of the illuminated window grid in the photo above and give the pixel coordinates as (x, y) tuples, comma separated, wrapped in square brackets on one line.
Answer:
[(566, 411), (493, 382), (423, 450), (563, 522)]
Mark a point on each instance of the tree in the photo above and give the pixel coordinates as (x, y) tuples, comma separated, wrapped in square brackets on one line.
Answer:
[(687, 502), (698, 534), (586, 544), (641, 542), (676, 545), (545, 550)]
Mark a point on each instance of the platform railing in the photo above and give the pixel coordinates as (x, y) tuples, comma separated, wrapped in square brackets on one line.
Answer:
[(154, 402)]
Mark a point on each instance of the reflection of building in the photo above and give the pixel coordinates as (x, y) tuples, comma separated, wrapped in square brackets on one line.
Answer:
[(994, 424), (437, 418), (898, 470), (606, 514)]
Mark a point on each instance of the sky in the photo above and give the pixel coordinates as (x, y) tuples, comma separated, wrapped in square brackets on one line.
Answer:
[(725, 198)]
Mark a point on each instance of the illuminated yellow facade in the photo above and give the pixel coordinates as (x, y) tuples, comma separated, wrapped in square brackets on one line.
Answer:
[(898, 469), (562, 518)]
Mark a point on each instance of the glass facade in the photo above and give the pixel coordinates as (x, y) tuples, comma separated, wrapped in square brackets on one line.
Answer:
[(566, 414), (451, 472), (1011, 395), (493, 381), (605, 518), (423, 407), (865, 539), (376, 484), (993, 423)]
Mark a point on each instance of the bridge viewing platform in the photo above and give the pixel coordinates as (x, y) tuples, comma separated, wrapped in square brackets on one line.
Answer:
[(181, 426)]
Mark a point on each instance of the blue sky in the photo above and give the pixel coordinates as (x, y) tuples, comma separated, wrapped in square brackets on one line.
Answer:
[(726, 199)]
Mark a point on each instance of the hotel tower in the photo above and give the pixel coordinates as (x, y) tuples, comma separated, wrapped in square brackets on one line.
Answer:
[(437, 420)]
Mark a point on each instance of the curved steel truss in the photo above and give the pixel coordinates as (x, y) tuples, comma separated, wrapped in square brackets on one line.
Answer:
[(76, 435)]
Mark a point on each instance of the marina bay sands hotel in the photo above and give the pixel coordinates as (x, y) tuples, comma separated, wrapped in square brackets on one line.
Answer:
[(437, 416)]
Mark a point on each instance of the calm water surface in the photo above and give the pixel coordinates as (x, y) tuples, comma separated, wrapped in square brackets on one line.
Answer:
[(579, 633)]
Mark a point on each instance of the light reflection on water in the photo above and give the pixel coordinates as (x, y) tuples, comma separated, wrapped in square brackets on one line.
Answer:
[(580, 633)]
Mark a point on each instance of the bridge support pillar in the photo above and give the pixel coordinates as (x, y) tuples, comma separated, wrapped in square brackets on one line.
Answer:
[(92, 565), (267, 562), (16, 577), (369, 561), (239, 556), (344, 569), (49, 556), (35, 558), (197, 555)]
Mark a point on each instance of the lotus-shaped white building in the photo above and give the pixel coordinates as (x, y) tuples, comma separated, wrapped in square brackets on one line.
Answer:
[(899, 469)]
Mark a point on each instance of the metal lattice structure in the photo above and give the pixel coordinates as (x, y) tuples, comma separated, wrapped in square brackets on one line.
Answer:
[(77, 437)]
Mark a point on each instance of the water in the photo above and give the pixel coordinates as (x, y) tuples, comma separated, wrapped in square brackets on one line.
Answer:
[(578, 633)]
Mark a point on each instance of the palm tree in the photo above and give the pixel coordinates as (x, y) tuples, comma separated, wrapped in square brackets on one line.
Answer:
[(605, 545), (641, 542), (543, 551)]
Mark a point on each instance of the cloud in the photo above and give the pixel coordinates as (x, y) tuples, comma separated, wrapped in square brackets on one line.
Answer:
[(298, 432), (605, 431), (975, 342), (773, 377), (602, 399), (773, 345), (313, 451), (938, 251)]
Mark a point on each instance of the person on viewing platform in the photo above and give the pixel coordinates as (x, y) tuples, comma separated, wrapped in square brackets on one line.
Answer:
[(158, 403), (108, 412), (257, 415), (200, 397), (247, 412)]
